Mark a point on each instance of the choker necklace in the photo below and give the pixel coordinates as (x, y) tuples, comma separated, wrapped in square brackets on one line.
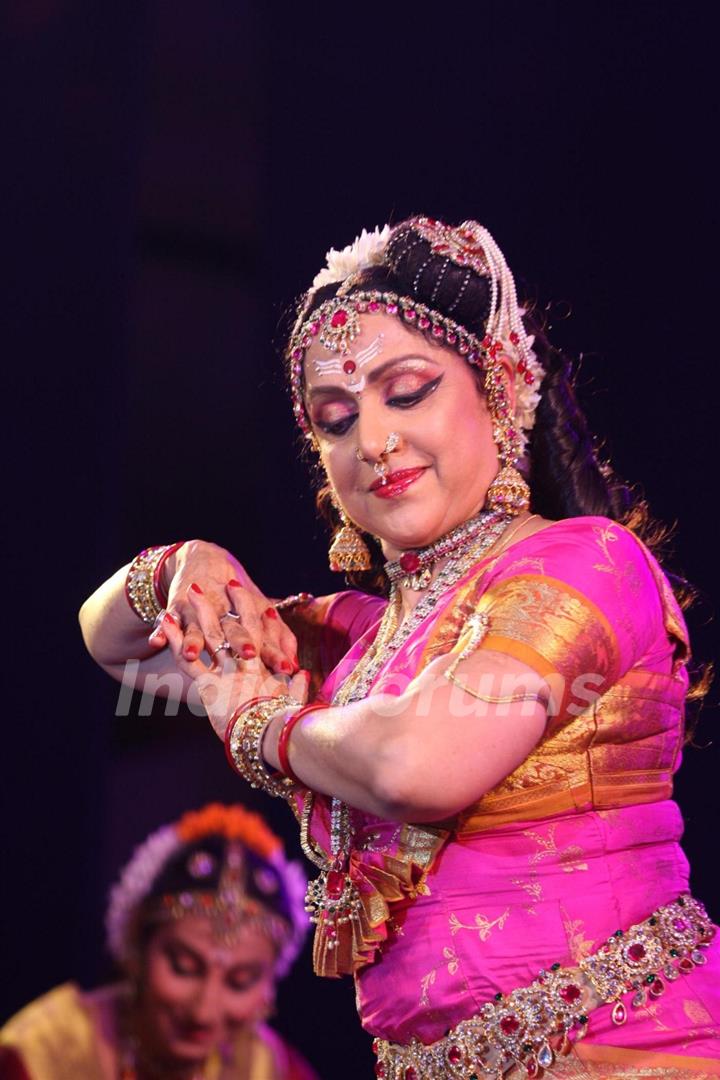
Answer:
[(414, 569)]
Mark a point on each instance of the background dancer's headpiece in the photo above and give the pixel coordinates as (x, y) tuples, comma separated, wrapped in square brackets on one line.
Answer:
[(221, 862)]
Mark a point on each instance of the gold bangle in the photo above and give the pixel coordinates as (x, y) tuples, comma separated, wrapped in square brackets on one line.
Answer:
[(293, 601), (142, 584), (244, 745)]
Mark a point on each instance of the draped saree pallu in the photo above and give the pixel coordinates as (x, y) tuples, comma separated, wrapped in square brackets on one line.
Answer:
[(568, 872)]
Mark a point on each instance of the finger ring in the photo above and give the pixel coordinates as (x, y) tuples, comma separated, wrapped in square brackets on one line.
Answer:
[(230, 615), (159, 618), (220, 648)]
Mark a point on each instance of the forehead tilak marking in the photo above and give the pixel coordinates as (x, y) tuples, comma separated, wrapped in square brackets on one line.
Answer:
[(336, 364)]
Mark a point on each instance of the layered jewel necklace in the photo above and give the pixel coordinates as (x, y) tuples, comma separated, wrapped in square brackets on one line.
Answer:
[(332, 899), (414, 569)]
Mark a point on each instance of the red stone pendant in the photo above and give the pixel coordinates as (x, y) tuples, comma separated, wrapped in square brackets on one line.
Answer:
[(619, 1013), (409, 562), (334, 884)]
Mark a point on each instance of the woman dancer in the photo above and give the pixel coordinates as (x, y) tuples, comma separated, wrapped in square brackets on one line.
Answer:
[(205, 919), (484, 773)]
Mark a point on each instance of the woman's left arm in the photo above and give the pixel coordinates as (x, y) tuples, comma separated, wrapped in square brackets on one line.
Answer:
[(428, 753), (422, 755)]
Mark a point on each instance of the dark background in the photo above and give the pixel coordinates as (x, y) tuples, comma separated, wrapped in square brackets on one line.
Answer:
[(173, 174)]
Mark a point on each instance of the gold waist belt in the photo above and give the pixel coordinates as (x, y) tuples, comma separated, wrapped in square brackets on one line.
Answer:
[(529, 1026)]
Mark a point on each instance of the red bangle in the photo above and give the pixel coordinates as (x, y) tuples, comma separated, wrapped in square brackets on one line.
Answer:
[(283, 744), (157, 573), (233, 720)]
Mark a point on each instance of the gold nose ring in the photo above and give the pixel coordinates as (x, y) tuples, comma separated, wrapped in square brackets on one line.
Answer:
[(391, 444), (381, 467)]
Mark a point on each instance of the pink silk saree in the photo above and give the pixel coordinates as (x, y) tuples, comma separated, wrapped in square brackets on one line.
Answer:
[(581, 840)]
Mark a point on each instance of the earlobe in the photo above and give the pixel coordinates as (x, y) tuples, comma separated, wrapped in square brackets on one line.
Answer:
[(508, 373)]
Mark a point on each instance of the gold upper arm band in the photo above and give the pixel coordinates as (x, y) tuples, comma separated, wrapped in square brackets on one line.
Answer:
[(491, 699)]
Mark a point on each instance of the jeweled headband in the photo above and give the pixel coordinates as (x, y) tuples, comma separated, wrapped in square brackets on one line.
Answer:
[(221, 862), (336, 323)]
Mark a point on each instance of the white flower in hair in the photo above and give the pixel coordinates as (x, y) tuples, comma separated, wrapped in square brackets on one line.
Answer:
[(135, 883), (366, 250), (527, 397)]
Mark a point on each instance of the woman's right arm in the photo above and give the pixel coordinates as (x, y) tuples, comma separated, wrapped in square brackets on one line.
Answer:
[(131, 650), (320, 630)]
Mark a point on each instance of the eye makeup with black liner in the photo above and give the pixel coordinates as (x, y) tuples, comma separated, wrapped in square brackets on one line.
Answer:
[(406, 401), (340, 427)]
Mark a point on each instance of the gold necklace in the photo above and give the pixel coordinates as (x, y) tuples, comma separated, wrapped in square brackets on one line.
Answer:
[(393, 634), (332, 900)]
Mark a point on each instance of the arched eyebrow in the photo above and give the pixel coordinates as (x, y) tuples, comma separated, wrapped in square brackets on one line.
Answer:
[(178, 943), (375, 375)]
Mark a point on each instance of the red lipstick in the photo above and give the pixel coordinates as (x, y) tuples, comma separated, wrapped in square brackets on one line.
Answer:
[(395, 483)]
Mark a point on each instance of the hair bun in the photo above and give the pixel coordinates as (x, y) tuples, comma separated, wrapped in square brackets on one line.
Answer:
[(437, 278)]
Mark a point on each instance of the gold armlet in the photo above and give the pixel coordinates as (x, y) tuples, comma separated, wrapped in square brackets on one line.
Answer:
[(491, 699)]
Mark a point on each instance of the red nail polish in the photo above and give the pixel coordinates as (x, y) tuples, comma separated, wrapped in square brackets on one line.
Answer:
[(196, 588), (287, 668), (169, 618), (191, 652), (296, 665), (248, 651), (271, 613), (234, 583)]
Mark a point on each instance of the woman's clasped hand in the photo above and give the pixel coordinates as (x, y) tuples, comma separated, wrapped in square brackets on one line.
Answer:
[(231, 643)]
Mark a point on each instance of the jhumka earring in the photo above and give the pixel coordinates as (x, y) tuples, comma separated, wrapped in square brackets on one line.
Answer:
[(508, 492), (348, 551)]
